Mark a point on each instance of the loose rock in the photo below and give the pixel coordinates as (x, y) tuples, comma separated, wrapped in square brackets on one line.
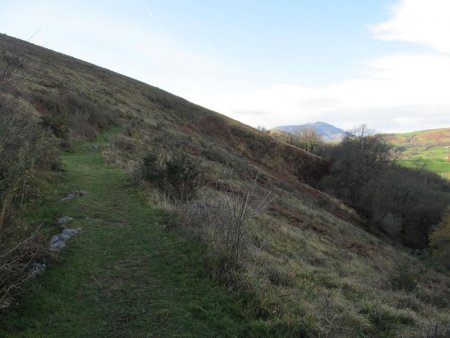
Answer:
[(74, 194), (94, 147), (37, 269), (69, 232), (64, 220), (57, 242)]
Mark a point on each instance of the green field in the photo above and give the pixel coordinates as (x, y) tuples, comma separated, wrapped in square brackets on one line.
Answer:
[(427, 148), (435, 159)]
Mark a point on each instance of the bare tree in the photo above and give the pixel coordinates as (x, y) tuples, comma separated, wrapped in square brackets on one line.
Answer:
[(309, 140), (263, 130)]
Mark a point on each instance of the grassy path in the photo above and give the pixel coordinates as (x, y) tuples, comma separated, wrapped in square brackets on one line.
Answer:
[(124, 275)]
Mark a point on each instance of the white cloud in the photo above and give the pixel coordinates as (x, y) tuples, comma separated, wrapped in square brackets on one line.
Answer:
[(425, 22), (396, 92), (395, 88)]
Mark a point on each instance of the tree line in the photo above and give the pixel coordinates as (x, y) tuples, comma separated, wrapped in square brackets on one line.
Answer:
[(403, 203)]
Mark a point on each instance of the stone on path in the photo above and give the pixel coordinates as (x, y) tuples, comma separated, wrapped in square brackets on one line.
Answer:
[(94, 147), (74, 194), (37, 269), (57, 242), (64, 220)]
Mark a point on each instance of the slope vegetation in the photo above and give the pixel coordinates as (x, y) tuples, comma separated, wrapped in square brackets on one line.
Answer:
[(312, 268), (123, 276)]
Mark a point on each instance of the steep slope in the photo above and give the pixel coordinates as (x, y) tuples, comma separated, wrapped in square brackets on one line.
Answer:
[(307, 258), (45, 73), (428, 148), (327, 131)]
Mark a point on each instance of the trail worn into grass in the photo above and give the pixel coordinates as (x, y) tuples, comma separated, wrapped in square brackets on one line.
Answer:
[(124, 275)]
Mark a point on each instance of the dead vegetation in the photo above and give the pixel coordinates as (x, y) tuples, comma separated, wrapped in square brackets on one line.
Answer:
[(71, 117)]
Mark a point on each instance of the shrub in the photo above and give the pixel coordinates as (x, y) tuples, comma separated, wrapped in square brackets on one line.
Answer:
[(221, 222), (221, 219), (153, 169), (184, 177), (179, 176)]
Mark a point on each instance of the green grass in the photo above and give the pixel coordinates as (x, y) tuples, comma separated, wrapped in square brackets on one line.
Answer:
[(124, 275), (424, 148), (434, 159)]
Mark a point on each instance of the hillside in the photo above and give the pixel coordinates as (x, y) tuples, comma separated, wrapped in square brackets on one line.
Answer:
[(306, 266), (328, 132), (428, 148)]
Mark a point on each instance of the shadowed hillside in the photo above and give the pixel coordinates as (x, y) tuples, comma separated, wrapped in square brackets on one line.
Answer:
[(302, 254)]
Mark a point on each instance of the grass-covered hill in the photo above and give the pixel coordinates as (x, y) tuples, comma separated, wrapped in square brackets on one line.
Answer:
[(276, 253), (428, 148)]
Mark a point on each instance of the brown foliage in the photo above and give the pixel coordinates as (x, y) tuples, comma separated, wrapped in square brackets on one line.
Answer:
[(70, 116)]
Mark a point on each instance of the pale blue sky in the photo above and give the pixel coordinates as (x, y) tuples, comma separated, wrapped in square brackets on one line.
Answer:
[(266, 62)]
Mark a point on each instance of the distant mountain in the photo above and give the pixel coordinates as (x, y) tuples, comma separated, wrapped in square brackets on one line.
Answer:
[(327, 131)]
